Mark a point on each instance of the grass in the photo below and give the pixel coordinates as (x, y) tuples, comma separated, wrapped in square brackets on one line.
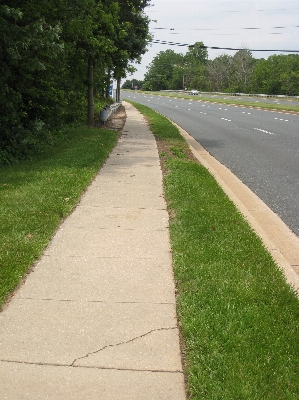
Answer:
[(232, 101), (35, 196), (239, 318)]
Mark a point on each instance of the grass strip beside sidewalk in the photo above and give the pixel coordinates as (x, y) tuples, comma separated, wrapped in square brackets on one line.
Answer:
[(35, 196), (239, 318)]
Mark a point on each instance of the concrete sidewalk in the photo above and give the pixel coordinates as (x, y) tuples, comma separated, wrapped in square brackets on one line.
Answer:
[(96, 318)]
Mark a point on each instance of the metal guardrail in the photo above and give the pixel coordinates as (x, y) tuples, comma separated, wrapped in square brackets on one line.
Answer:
[(105, 112), (113, 107)]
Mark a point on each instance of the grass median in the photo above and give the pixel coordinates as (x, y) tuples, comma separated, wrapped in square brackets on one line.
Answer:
[(239, 319), (35, 196)]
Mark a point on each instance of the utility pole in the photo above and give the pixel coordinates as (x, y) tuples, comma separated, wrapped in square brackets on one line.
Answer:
[(90, 93)]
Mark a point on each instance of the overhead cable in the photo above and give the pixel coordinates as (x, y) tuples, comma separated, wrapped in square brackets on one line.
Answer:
[(226, 29), (156, 41)]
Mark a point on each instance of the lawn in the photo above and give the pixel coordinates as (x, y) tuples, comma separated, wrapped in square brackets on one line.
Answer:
[(36, 196)]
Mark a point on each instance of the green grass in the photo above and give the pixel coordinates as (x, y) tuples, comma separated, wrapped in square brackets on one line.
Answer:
[(239, 318), (35, 196), (232, 101)]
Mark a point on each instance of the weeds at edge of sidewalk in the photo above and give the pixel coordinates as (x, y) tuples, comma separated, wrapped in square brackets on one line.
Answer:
[(36, 195), (239, 319)]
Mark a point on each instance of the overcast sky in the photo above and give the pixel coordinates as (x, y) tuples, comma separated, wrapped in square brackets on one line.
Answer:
[(255, 25)]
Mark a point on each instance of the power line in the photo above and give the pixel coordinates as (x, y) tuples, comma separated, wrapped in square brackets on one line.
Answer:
[(226, 29), (156, 41)]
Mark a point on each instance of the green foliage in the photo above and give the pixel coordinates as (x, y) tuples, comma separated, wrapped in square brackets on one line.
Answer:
[(131, 83), (241, 73), (219, 72), (277, 75), (170, 70), (44, 48), (160, 71)]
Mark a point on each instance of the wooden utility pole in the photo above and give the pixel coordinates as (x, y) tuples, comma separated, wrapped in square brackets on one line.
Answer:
[(90, 93)]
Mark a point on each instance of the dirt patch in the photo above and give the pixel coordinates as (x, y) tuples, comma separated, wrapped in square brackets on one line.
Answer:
[(117, 120)]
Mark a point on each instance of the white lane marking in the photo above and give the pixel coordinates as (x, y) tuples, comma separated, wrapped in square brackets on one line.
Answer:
[(264, 131), (225, 119)]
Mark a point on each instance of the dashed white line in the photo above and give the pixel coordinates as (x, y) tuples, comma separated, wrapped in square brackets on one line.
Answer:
[(264, 131)]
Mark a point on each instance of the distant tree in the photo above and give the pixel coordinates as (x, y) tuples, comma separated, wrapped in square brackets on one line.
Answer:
[(160, 71), (131, 83), (219, 72), (195, 62), (279, 74), (242, 69)]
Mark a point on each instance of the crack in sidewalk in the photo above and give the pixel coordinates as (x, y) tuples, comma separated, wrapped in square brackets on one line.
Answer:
[(122, 343)]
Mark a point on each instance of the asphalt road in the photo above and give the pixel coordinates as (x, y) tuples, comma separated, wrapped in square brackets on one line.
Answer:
[(260, 147)]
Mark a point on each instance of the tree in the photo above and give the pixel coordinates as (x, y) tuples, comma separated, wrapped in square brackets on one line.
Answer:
[(160, 71), (47, 48), (195, 62), (28, 48), (219, 72), (277, 75), (132, 39), (131, 83), (242, 69)]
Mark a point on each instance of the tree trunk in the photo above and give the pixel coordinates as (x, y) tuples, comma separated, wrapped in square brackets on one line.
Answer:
[(90, 93), (118, 90), (108, 85)]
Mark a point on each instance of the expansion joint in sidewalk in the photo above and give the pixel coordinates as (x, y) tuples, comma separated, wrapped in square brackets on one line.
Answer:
[(44, 364)]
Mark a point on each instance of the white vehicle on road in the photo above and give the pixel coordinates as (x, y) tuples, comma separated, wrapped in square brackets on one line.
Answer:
[(193, 92)]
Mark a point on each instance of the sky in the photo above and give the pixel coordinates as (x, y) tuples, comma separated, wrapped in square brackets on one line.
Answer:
[(256, 25)]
